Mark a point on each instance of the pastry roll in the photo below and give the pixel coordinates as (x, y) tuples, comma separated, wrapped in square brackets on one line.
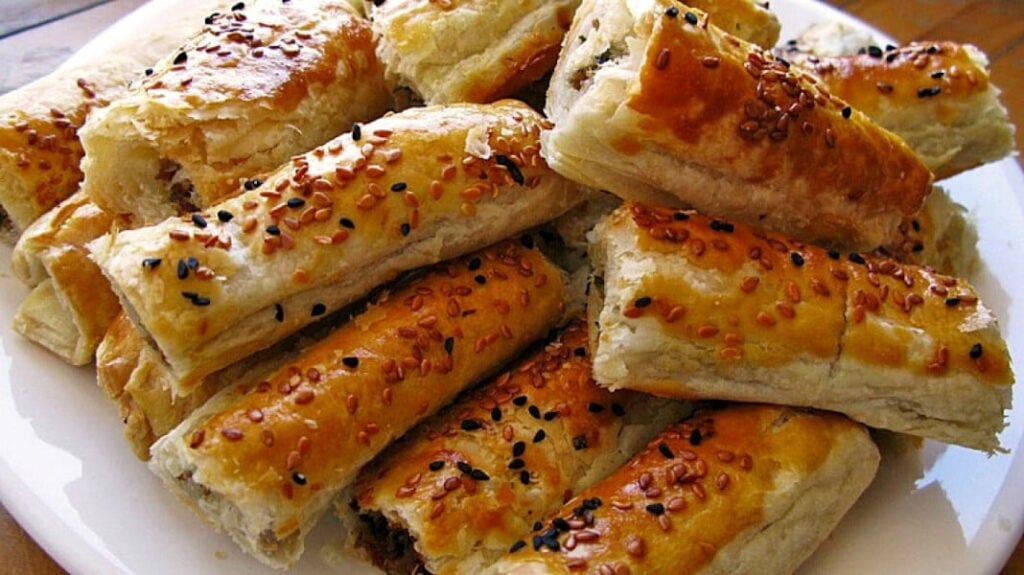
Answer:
[(71, 303), (453, 495), (39, 147), (696, 307), (263, 464), (260, 83), (941, 236), (657, 105), (404, 191), (745, 489), (935, 95)]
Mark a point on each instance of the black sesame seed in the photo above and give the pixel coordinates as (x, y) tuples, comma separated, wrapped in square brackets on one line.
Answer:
[(199, 221), (518, 448), (537, 542), (296, 202), (513, 169), (579, 442), (933, 49), (470, 425), (527, 241), (916, 225), (516, 463), (952, 301), (273, 230), (680, 216), (695, 437), (551, 415), (518, 545), (357, 132), (580, 352), (474, 264), (149, 71), (480, 279), (833, 254), (151, 263), (350, 361), (318, 309), (279, 312), (642, 302), (495, 414), (534, 411), (592, 504), (399, 187), (666, 450), (847, 112), (449, 345), (299, 478), (405, 229), (479, 475), (182, 269), (520, 400), (798, 260), (720, 226), (976, 351), (252, 184), (435, 465), (618, 410), (464, 467), (655, 508), (874, 51), (192, 262), (201, 301), (378, 2), (857, 258), (238, 6), (917, 247), (539, 436), (524, 477), (929, 92), (595, 407), (560, 524), (550, 542), (691, 18), (672, 12), (180, 59), (938, 74), (347, 223), (225, 216)]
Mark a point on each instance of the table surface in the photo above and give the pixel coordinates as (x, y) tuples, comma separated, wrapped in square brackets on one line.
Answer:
[(52, 28)]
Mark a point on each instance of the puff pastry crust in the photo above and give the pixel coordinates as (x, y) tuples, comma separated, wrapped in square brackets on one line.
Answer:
[(39, 147), (745, 489), (454, 494), (935, 95), (657, 105), (696, 307), (71, 304), (263, 464), (257, 85), (404, 191)]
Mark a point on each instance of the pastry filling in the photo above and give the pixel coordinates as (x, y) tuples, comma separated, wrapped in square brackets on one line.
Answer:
[(179, 185), (390, 547)]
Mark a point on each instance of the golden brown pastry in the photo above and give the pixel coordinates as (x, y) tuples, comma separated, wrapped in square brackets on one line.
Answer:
[(454, 494), (71, 303), (744, 489), (262, 81), (935, 95), (657, 105), (404, 191), (39, 122), (696, 307), (263, 464)]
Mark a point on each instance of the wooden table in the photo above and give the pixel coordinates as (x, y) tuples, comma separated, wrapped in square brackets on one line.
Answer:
[(997, 26)]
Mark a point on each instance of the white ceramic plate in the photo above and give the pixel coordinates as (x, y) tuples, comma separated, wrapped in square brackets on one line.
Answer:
[(68, 477)]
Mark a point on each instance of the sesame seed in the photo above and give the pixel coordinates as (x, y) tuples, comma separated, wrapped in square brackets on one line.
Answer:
[(534, 411), (593, 407), (273, 230), (464, 467), (833, 254), (662, 60), (550, 415), (252, 184), (479, 475), (199, 221), (524, 477), (672, 12), (580, 352), (318, 309), (197, 438), (474, 264), (642, 302), (539, 436), (518, 545), (513, 169), (691, 18), (666, 450), (196, 299), (299, 478), (518, 448), (347, 223), (874, 51), (180, 59), (579, 442), (357, 132), (182, 269), (847, 112), (618, 410), (449, 345), (857, 258), (976, 351), (225, 216), (655, 508), (232, 433), (480, 279), (695, 437), (151, 263), (399, 187), (405, 229), (470, 425), (350, 361), (952, 301), (680, 216), (929, 92), (520, 400), (295, 203), (436, 465), (516, 463), (798, 260)]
